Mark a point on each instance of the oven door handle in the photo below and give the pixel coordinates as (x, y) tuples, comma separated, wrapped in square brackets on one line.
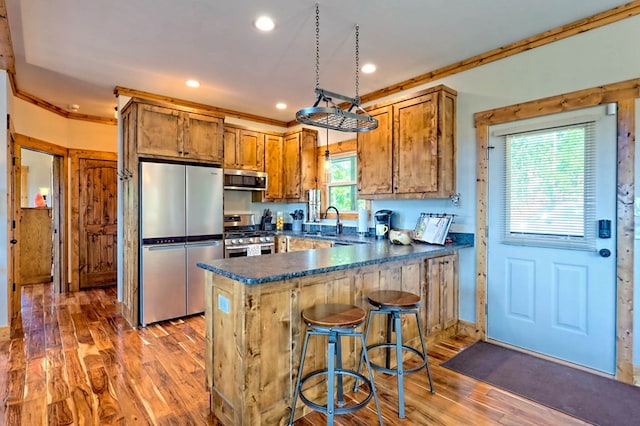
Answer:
[(245, 247)]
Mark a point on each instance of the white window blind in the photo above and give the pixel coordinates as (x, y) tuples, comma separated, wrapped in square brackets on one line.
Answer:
[(550, 187)]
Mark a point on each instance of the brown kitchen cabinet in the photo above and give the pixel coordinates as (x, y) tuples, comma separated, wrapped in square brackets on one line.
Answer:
[(375, 156), (273, 159), (441, 293), (290, 163), (166, 132), (243, 149), (412, 152), (286, 244)]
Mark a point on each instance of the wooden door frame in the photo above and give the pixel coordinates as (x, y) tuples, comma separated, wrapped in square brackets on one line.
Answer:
[(59, 199), (76, 155), (11, 234), (624, 94)]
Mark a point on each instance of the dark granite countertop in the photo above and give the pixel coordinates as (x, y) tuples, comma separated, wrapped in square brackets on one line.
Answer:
[(280, 266)]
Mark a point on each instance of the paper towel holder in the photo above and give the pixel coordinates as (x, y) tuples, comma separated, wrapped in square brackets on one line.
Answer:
[(363, 222)]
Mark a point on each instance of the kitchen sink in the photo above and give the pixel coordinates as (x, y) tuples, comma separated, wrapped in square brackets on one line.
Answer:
[(321, 234)]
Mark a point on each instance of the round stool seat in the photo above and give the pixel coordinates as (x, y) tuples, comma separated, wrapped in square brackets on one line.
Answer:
[(334, 315), (393, 298)]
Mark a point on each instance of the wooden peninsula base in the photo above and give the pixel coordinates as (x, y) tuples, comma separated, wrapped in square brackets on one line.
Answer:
[(254, 332)]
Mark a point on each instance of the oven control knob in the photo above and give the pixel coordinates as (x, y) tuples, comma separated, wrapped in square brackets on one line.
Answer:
[(262, 239)]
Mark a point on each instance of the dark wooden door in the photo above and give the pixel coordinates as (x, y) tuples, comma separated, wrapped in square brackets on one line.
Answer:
[(97, 206)]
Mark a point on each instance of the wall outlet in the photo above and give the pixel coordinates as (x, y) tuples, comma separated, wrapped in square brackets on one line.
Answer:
[(223, 304)]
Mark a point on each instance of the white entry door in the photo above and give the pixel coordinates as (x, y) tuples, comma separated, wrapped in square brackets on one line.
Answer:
[(551, 266)]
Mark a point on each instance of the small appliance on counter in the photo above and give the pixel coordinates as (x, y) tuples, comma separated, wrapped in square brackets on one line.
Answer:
[(313, 200), (382, 222)]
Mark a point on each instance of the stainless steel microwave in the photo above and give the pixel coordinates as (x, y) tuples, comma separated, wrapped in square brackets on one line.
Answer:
[(247, 180)]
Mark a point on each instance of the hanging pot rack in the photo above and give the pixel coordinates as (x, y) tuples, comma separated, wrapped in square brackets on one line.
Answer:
[(331, 116)]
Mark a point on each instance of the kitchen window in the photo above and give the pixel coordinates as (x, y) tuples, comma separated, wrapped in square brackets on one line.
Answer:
[(342, 183)]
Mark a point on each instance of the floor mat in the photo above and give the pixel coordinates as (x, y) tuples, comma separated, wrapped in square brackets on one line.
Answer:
[(589, 397)]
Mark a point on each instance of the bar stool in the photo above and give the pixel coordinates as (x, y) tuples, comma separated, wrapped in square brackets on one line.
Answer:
[(393, 304), (334, 321)]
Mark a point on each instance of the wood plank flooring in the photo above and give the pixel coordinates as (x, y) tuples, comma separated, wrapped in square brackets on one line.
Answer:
[(73, 360)]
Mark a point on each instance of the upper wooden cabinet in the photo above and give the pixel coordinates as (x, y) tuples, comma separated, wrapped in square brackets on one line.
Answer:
[(172, 133), (274, 156), (412, 152), (290, 163), (375, 156), (243, 149)]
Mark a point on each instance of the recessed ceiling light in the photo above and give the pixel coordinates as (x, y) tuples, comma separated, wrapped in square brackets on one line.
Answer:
[(264, 23), (368, 68), (192, 83), (281, 105)]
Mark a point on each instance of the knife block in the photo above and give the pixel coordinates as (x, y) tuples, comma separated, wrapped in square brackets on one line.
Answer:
[(265, 223)]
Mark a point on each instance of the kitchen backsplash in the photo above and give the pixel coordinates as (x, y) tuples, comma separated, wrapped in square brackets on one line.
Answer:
[(405, 215)]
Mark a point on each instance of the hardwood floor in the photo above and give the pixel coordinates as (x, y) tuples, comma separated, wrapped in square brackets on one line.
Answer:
[(73, 360)]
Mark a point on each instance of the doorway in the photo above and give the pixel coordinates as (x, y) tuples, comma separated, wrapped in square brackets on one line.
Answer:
[(551, 276), (37, 216)]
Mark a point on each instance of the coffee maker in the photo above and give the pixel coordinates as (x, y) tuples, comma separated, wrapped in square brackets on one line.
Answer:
[(382, 222)]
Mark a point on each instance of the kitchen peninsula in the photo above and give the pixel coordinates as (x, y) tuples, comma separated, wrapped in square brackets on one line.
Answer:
[(253, 327)]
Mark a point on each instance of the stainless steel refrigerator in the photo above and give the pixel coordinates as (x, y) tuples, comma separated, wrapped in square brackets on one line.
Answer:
[(180, 224)]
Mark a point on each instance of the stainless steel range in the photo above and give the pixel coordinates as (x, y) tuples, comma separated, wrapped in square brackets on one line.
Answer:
[(243, 238)]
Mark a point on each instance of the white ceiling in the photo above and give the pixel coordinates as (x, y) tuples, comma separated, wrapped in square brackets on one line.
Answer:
[(77, 51)]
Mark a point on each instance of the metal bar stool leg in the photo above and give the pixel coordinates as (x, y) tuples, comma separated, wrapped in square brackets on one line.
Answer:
[(297, 391), (390, 325), (338, 349), (398, 325), (424, 351), (364, 348), (331, 352), (373, 385)]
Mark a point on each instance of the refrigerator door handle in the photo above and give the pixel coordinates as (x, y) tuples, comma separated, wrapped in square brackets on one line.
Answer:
[(164, 247), (212, 243)]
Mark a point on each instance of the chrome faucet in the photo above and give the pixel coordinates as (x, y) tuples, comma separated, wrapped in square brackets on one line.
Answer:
[(338, 224)]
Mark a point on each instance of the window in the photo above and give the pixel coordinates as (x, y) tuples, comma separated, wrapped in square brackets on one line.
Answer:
[(342, 189), (550, 187)]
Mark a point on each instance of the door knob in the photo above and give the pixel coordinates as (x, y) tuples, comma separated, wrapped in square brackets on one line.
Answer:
[(13, 241), (605, 252)]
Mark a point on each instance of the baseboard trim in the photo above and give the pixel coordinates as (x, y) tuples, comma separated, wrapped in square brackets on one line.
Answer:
[(468, 329), (5, 333)]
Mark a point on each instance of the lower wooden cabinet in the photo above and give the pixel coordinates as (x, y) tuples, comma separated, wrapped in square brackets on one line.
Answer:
[(285, 244), (441, 292)]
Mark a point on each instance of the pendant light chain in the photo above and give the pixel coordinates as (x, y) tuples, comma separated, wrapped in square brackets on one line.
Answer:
[(357, 98), (317, 46), (351, 118)]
